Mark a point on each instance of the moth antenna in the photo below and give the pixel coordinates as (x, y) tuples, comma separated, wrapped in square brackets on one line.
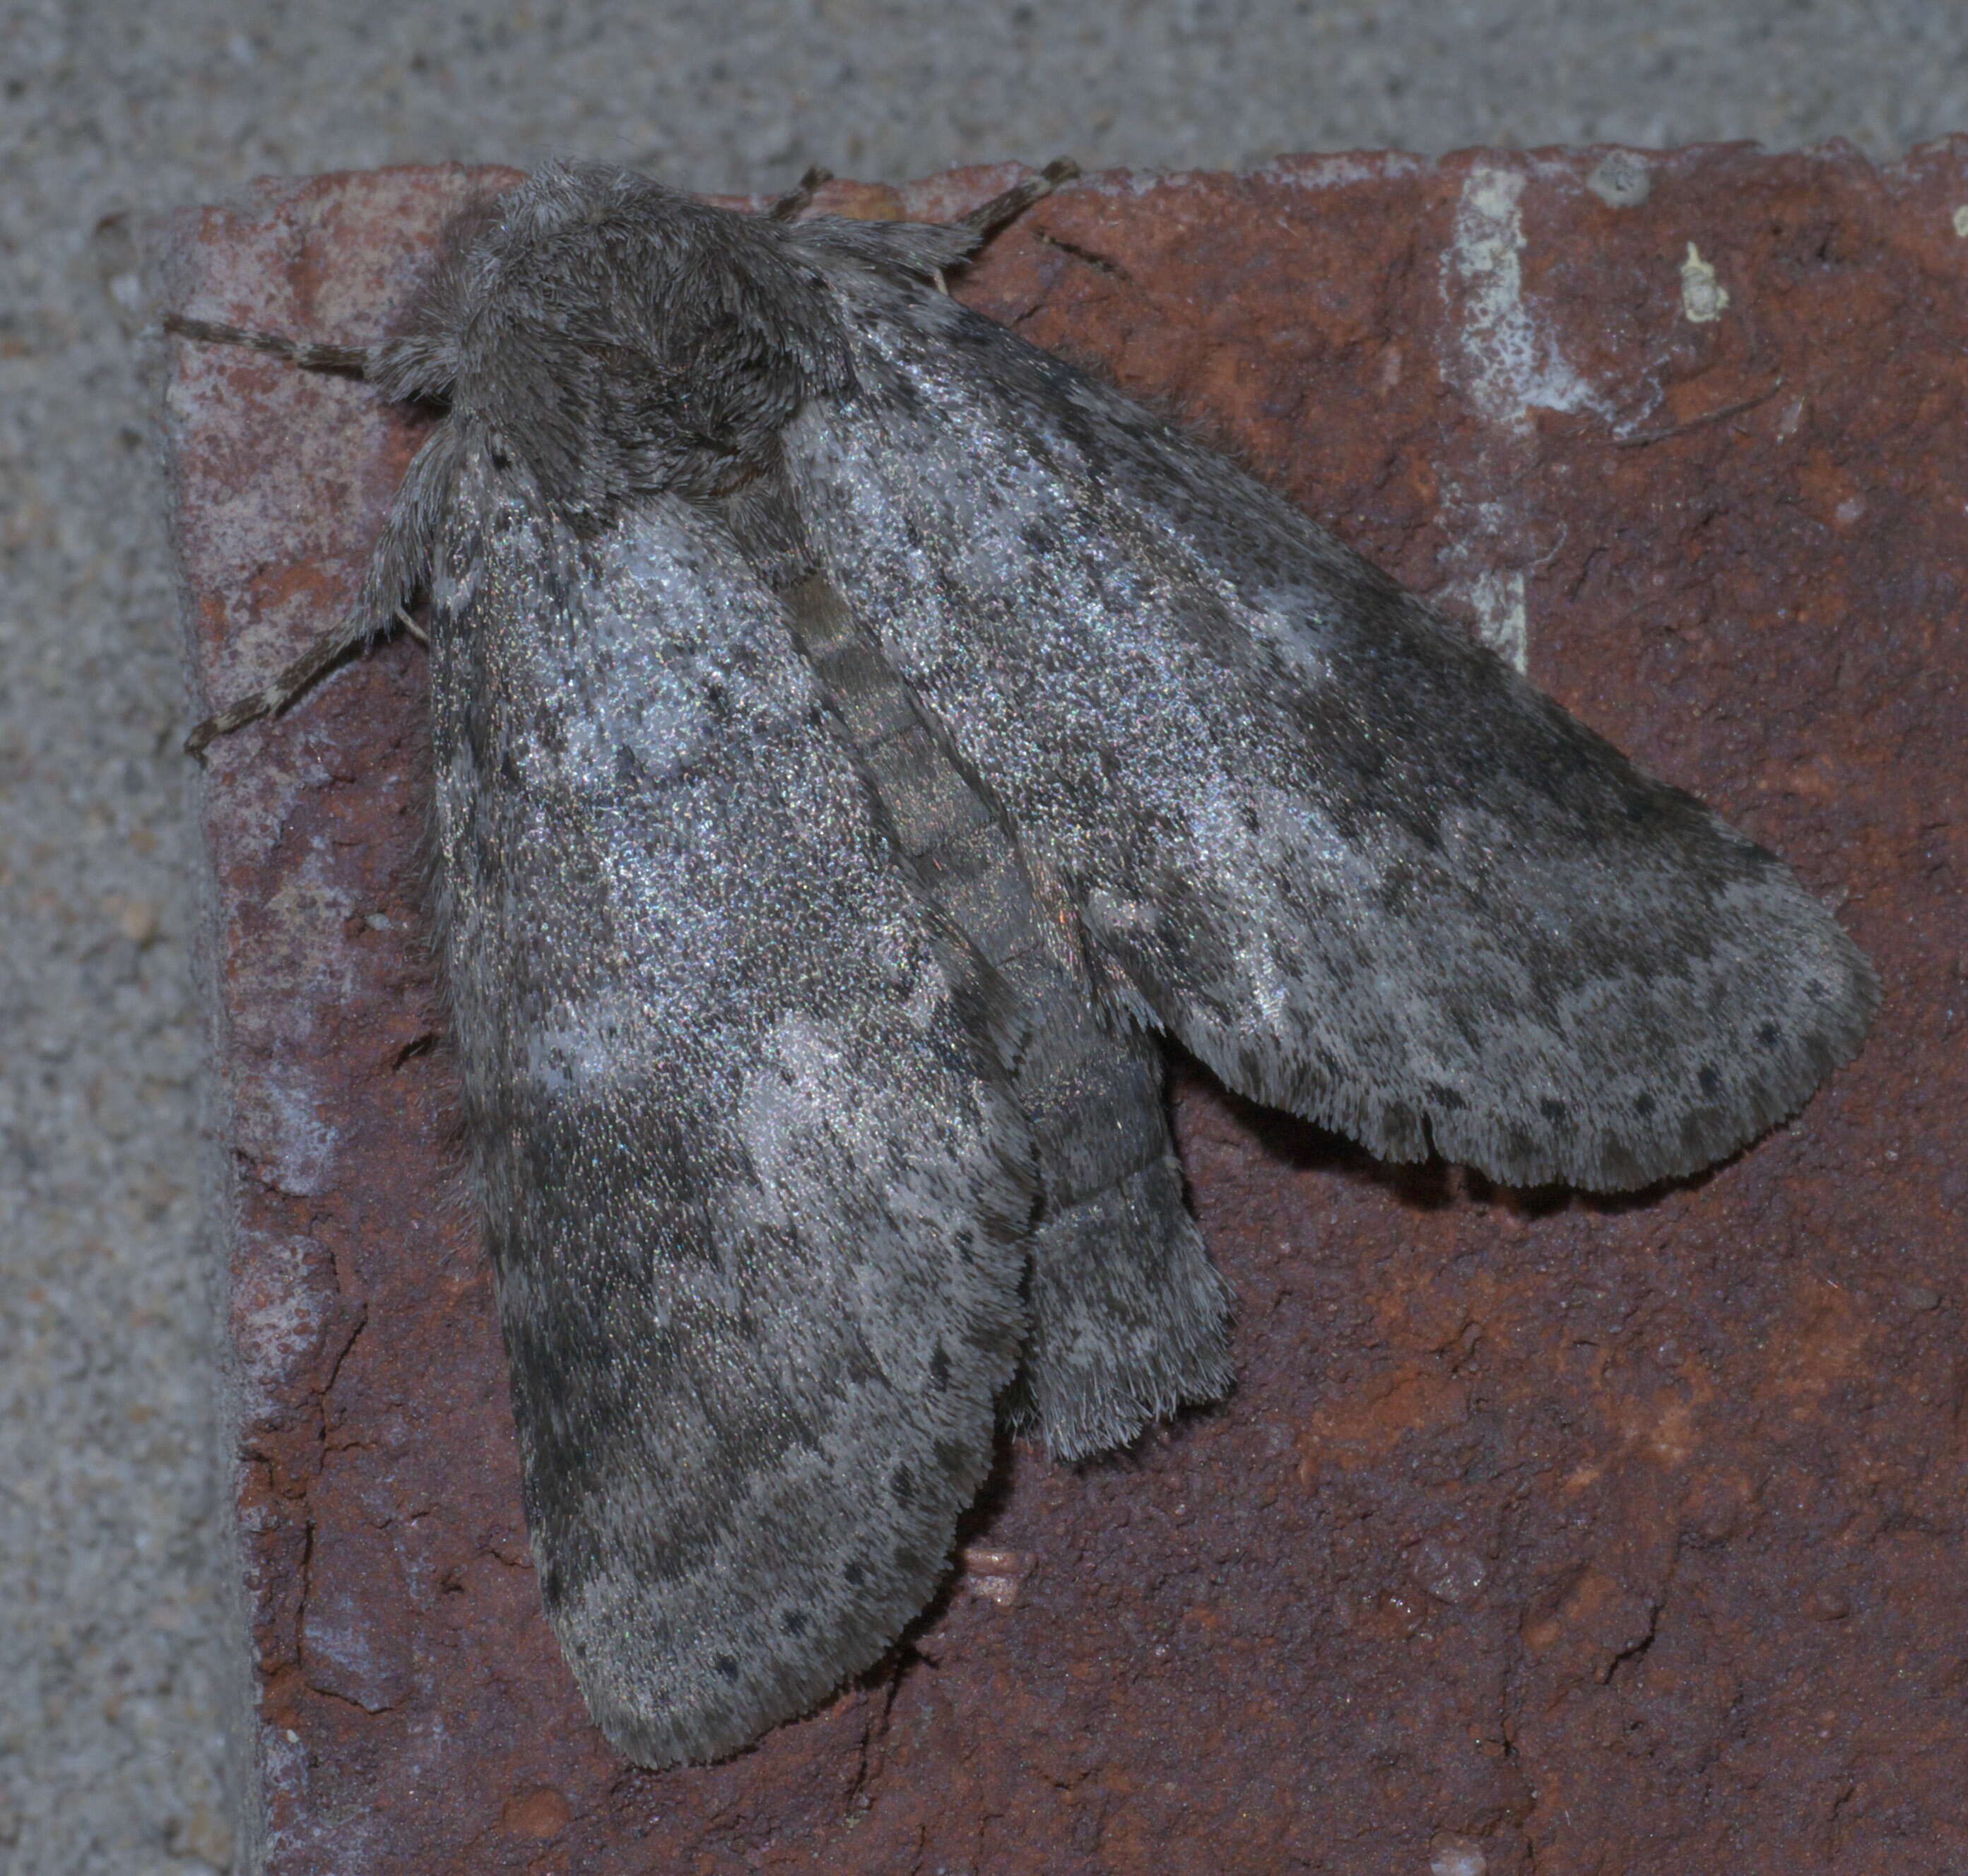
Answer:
[(799, 198), (351, 360), (1001, 210)]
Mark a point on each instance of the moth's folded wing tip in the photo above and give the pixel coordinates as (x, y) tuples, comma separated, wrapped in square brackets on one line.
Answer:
[(1111, 1354), (747, 1521), (1359, 867), (701, 1724), (693, 1667)]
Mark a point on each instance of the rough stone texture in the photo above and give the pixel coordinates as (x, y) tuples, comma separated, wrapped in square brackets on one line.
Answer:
[(1541, 1531)]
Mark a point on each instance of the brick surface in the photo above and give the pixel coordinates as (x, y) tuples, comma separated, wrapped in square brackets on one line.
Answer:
[(1581, 1535)]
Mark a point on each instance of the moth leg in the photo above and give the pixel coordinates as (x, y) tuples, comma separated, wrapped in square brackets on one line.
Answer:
[(319, 658), (397, 568), (795, 201), (350, 361), (1001, 210)]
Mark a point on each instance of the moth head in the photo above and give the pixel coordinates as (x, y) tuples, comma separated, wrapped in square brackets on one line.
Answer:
[(630, 340)]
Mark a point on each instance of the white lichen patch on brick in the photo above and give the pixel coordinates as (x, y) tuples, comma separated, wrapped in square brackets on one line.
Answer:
[(1512, 364)]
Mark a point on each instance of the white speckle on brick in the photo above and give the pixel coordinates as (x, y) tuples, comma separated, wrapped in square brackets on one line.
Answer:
[(1704, 298), (1620, 180), (1502, 617), (299, 1147), (278, 1322)]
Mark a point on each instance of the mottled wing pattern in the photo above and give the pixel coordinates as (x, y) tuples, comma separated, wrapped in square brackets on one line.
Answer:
[(757, 1209), (1352, 859)]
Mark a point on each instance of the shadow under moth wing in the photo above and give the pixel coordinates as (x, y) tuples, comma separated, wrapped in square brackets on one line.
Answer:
[(856, 732)]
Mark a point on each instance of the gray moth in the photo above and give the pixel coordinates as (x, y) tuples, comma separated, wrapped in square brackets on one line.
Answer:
[(858, 738)]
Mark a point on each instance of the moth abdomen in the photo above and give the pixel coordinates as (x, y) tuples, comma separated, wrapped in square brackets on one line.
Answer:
[(1128, 1317)]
